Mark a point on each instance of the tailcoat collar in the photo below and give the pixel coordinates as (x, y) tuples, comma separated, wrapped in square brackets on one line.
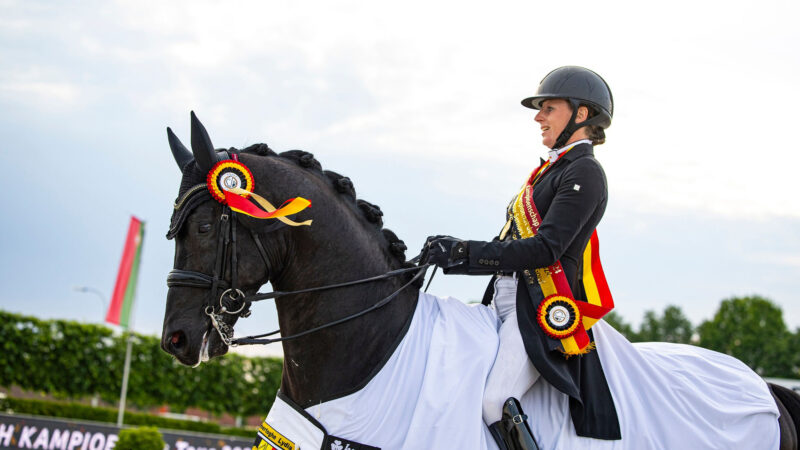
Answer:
[(581, 149)]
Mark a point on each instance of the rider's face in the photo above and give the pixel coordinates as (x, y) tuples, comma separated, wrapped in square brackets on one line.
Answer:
[(552, 118)]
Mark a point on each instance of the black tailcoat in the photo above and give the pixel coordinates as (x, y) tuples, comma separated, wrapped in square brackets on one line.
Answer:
[(571, 198)]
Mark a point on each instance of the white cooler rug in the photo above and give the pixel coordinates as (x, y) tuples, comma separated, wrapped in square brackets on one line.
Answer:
[(428, 395)]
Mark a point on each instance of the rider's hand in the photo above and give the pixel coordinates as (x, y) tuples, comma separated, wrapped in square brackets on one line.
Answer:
[(423, 255), (445, 251)]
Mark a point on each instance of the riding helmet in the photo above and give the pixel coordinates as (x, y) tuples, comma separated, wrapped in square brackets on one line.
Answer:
[(580, 86)]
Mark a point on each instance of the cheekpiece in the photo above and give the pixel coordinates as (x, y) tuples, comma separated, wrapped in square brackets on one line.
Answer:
[(227, 175), (559, 316)]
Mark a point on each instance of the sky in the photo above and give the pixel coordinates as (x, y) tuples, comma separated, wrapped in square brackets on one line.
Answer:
[(418, 102)]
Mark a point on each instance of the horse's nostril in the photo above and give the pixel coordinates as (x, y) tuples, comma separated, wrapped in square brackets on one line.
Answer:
[(177, 340)]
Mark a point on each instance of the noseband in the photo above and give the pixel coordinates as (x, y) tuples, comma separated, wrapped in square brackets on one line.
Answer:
[(234, 302)]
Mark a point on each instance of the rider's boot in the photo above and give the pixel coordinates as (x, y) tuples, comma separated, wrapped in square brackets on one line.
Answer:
[(512, 431), (499, 434)]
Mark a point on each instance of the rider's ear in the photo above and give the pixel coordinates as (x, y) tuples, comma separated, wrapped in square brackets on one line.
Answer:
[(583, 114)]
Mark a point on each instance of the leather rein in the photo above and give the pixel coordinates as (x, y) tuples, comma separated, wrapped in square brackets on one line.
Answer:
[(234, 302)]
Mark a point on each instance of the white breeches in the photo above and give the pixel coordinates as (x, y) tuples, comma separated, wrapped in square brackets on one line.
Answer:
[(512, 373)]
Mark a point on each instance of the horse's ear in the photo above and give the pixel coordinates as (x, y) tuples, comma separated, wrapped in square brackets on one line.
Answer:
[(203, 149), (181, 154)]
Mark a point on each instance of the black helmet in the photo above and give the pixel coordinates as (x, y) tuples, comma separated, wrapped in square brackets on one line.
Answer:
[(580, 86)]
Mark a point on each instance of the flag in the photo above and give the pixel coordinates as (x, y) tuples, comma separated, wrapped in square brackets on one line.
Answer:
[(119, 311)]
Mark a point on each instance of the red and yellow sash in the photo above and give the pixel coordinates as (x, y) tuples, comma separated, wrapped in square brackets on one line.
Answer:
[(560, 315)]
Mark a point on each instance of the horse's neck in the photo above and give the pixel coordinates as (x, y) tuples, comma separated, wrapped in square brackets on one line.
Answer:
[(337, 360)]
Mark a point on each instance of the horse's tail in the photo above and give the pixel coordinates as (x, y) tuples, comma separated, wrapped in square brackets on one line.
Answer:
[(789, 405)]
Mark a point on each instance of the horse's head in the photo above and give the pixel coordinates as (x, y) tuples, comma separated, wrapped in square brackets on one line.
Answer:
[(214, 263), (223, 255)]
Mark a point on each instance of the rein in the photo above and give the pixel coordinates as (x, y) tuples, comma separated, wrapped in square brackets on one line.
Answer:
[(234, 302), (259, 339)]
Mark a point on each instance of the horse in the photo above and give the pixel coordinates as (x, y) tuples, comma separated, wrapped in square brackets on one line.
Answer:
[(372, 361)]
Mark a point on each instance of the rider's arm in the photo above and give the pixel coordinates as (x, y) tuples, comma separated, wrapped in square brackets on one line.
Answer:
[(581, 191)]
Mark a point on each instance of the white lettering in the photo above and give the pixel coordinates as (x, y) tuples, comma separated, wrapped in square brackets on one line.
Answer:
[(75, 440), (112, 441), (59, 440), (42, 439), (181, 445), (98, 441), (86, 437), (25, 437), (6, 433)]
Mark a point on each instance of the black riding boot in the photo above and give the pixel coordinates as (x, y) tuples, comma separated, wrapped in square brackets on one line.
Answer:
[(512, 431)]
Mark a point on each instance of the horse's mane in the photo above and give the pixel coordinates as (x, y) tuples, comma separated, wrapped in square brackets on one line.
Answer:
[(339, 183)]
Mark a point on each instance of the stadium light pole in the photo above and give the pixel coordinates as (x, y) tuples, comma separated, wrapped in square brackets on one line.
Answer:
[(91, 290)]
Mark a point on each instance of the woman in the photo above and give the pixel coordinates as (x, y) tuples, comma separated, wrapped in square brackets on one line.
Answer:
[(539, 287)]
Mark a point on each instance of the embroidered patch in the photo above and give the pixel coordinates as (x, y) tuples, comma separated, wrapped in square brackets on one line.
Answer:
[(337, 443), (271, 439), (577, 187)]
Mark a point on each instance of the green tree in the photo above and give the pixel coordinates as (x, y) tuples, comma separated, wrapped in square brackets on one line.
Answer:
[(619, 324), (752, 329), (672, 326)]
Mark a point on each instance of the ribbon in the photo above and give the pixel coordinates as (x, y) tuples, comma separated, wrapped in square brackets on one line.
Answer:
[(236, 198)]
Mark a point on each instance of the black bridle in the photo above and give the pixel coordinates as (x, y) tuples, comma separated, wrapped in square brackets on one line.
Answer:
[(234, 302)]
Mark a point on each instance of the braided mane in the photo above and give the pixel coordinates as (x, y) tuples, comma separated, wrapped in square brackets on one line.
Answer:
[(344, 186), (192, 176)]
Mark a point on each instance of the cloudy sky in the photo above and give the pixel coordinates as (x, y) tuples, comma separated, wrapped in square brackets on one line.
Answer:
[(418, 103)]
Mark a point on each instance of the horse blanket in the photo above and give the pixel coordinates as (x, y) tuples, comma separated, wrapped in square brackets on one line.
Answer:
[(428, 395)]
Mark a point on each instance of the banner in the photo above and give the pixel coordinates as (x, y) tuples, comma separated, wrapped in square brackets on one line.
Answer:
[(21, 431), (119, 311)]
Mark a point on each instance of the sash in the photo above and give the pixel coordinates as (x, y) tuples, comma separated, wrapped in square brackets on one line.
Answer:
[(559, 314)]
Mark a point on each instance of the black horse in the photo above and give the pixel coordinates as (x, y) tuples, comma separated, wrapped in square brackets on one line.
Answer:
[(222, 258), (346, 242)]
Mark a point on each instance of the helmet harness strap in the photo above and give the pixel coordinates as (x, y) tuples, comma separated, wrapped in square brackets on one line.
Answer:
[(572, 127)]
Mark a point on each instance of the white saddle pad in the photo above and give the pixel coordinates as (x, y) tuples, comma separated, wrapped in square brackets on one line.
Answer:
[(428, 395)]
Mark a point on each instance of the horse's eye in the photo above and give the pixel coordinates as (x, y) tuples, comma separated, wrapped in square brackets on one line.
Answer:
[(205, 228)]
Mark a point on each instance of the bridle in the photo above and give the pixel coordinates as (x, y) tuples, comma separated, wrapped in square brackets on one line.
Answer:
[(232, 301)]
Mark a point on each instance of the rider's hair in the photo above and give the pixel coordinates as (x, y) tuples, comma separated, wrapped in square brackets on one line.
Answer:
[(595, 133)]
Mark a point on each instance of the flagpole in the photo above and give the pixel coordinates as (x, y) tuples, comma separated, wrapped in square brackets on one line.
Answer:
[(125, 373), (120, 310)]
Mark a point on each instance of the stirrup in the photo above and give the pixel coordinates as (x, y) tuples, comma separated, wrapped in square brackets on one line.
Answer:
[(512, 431)]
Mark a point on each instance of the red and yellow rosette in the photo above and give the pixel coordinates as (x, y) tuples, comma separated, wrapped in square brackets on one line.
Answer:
[(231, 183), (559, 316), (226, 175)]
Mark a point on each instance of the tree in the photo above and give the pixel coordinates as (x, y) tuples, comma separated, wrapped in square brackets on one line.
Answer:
[(752, 329), (672, 326), (619, 324)]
